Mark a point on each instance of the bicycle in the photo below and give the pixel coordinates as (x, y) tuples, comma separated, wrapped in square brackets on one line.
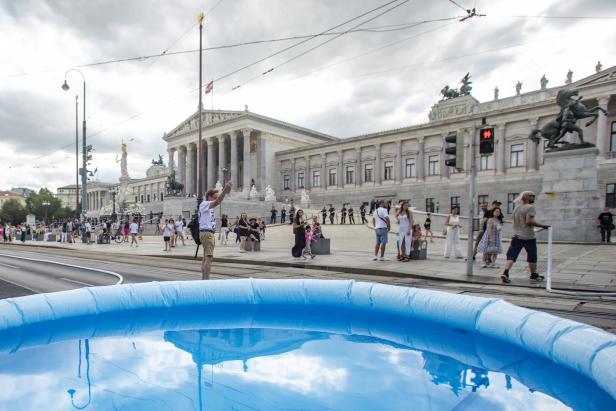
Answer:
[(119, 238)]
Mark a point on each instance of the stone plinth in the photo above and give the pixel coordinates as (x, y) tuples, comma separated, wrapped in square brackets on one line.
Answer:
[(569, 200)]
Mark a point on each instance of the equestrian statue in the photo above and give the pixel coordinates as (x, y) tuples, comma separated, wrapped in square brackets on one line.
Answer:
[(173, 186), (571, 110), (465, 90)]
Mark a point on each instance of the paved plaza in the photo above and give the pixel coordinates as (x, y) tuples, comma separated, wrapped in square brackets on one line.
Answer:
[(575, 266)]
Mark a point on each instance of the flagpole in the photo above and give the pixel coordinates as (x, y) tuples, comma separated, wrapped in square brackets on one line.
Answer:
[(200, 144), (212, 94)]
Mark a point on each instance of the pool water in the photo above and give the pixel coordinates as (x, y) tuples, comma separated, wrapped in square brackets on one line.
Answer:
[(378, 363)]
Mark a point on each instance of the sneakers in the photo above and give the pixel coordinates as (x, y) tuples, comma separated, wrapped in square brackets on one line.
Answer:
[(485, 265), (381, 258), (534, 277), (505, 278), (375, 258)]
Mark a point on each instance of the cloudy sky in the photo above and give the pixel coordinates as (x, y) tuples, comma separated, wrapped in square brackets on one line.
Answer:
[(384, 77)]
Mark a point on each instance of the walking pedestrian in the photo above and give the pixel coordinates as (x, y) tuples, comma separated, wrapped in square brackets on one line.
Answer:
[(404, 219), (126, 229), (291, 214), (224, 229), (283, 215), (309, 238), (332, 214), (343, 214), (382, 225), (490, 245), (134, 230), (524, 236), (244, 230), (207, 226), (300, 235), (362, 213), (351, 215), (273, 214), (179, 230), (452, 240), (64, 232), (167, 230), (323, 214), (606, 225)]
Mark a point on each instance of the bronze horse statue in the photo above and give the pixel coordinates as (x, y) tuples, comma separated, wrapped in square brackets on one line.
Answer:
[(571, 110), (173, 186)]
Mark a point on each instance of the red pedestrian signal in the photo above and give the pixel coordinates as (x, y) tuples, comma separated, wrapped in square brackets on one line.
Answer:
[(486, 140)]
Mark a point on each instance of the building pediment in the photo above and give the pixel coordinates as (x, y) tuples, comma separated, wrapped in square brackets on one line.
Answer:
[(452, 108), (208, 118), (603, 76)]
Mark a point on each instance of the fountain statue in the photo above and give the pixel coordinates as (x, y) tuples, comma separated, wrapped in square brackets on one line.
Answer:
[(270, 194), (254, 194), (218, 186), (122, 204), (305, 199)]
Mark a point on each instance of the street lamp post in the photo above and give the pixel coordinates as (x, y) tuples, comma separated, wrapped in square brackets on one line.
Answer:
[(84, 176), (46, 204), (76, 153)]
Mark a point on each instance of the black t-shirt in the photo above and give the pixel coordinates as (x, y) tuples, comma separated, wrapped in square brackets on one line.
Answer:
[(350, 211), (606, 219), (486, 216), (427, 223), (255, 229), (224, 222), (332, 210)]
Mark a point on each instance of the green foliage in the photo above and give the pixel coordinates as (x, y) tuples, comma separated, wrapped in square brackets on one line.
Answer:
[(37, 200), (13, 212)]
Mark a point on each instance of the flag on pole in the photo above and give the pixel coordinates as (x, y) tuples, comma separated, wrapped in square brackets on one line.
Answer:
[(209, 87)]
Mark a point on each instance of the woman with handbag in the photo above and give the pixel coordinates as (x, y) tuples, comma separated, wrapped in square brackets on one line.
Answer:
[(452, 241), (490, 245)]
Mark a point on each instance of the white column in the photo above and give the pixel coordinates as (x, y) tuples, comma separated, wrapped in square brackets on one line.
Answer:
[(500, 149), (293, 176), (307, 182), (247, 166), (377, 164), (398, 163), (603, 128), (234, 166), (182, 165), (340, 172), (171, 153), (211, 171), (421, 159), (359, 174), (189, 187), (323, 171), (532, 147), (222, 158)]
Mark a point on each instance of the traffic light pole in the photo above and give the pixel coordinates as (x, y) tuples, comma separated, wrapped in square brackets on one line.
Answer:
[(471, 204)]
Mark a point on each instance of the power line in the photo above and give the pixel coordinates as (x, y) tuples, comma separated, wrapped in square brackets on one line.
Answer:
[(463, 8), (319, 45)]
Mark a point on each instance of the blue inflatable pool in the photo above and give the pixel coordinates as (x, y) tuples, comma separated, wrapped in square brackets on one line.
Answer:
[(295, 344)]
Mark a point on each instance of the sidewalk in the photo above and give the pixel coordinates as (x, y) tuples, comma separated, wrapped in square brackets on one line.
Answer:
[(575, 266)]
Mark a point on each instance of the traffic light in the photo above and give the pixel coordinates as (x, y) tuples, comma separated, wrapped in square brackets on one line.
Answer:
[(486, 140), (457, 149)]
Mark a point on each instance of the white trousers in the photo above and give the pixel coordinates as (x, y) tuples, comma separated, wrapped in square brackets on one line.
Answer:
[(64, 237), (224, 232), (407, 241), (453, 242)]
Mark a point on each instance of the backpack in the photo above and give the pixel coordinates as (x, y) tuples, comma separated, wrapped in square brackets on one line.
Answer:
[(193, 226)]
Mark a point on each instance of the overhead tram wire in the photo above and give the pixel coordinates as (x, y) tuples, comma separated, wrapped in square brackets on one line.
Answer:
[(318, 45), (303, 41), (463, 8)]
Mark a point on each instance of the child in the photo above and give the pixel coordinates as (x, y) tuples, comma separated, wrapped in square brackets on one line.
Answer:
[(416, 236), (309, 236), (428, 227)]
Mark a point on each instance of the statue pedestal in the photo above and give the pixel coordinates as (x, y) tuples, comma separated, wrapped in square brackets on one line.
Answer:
[(569, 199), (31, 220)]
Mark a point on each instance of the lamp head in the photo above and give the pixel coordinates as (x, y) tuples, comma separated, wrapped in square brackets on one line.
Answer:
[(65, 86)]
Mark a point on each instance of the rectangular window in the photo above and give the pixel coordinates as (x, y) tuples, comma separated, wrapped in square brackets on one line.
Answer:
[(610, 195), (142, 198), (316, 178), (516, 158), (136, 199), (409, 168), (482, 199), (389, 170), (300, 179), (486, 162), (455, 202), (161, 196), (613, 138), (430, 205), (286, 182), (368, 173), (154, 196), (350, 175), (148, 197), (510, 203), (332, 177), (433, 165)]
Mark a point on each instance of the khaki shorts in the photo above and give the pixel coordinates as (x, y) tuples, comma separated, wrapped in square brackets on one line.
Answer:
[(208, 242)]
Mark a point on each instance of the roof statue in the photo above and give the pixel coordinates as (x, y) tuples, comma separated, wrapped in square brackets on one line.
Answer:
[(464, 90), (571, 110), (158, 162)]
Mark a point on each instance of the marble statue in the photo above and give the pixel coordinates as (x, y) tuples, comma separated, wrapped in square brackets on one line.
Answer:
[(122, 202), (518, 88), (218, 186), (305, 199), (496, 93), (124, 162), (270, 194), (569, 78), (571, 110), (598, 67), (544, 82), (254, 194)]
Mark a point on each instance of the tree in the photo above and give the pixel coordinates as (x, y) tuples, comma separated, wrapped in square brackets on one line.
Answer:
[(13, 212), (37, 200)]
